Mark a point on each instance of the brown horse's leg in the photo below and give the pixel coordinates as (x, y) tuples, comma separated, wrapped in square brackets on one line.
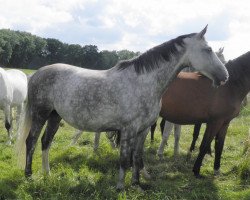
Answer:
[(196, 133), (219, 143), (211, 130), (153, 131)]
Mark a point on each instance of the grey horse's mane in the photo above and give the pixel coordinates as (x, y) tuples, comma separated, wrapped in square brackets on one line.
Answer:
[(149, 60)]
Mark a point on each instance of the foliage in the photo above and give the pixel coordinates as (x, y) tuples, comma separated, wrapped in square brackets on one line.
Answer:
[(24, 50)]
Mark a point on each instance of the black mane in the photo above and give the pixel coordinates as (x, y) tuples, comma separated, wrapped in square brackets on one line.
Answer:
[(238, 67), (149, 60)]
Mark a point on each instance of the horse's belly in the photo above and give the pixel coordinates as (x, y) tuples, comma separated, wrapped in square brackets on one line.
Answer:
[(89, 119), (182, 117)]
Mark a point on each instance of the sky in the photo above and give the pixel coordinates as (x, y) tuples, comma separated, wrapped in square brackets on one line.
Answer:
[(135, 25)]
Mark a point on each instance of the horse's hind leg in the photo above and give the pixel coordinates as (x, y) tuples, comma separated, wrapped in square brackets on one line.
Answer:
[(153, 131), (38, 120), (8, 122), (97, 140), (167, 130), (49, 133), (162, 125), (196, 133), (111, 136), (76, 136)]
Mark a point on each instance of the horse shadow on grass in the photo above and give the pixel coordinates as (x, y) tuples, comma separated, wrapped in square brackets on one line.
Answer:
[(169, 177), (174, 177)]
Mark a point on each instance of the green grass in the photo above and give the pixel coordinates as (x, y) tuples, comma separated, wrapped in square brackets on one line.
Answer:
[(79, 173)]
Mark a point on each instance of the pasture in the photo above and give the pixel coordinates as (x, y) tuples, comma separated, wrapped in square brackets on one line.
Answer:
[(79, 173)]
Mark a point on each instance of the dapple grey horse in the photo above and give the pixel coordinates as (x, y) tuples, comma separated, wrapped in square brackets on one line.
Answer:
[(118, 99)]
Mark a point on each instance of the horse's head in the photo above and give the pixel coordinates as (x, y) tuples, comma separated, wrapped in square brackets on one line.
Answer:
[(221, 55), (201, 56)]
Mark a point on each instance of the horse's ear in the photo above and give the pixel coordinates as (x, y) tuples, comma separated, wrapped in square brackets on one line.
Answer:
[(201, 34), (221, 50)]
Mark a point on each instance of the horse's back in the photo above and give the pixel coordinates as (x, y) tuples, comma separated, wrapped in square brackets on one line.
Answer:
[(19, 83), (58, 81)]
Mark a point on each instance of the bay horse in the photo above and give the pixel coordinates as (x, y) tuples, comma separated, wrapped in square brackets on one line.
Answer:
[(190, 99), (166, 126), (118, 99), (13, 92)]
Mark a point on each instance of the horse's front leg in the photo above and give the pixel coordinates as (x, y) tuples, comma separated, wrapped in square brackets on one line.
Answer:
[(126, 151), (210, 132), (219, 143), (138, 157)]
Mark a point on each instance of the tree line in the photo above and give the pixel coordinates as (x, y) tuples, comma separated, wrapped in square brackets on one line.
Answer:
[(24, 50)]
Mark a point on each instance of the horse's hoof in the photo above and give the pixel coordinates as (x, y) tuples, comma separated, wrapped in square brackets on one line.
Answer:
[(119, 187), (198, 176), (160, 156), (216, 172), (145, 174), (176, 157), (189, 154), (138, 188)]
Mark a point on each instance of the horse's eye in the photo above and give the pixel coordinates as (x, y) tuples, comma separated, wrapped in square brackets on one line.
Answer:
[(209, 49)]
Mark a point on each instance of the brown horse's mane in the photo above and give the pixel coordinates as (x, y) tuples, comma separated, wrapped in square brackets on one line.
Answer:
[(239, 67), (149, 60)]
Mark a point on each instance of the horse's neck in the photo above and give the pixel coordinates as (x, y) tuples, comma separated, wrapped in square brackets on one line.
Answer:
[(166, 73), (241, 87), (245, 87)]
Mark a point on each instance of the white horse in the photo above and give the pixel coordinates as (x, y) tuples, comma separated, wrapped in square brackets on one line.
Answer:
[(13, 92), (168, 127)]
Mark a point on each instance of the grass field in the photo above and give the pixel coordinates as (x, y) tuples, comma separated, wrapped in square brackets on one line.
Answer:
[(79, 173)]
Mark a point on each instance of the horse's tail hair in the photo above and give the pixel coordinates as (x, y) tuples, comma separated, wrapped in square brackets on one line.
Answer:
[(22, 134)]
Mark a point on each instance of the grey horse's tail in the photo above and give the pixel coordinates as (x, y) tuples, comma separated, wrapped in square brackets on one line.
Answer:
[(22, 134)]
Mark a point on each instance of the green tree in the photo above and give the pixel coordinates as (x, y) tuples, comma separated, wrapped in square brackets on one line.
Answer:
[(108, 59)]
